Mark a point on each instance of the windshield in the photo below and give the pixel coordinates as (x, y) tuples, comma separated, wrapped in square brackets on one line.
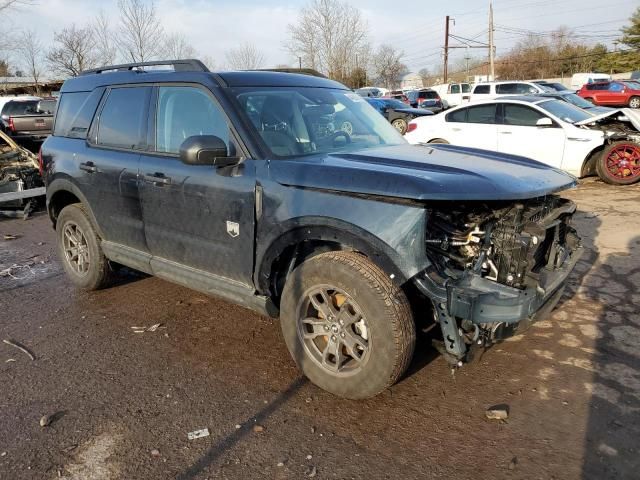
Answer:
[(578, 101), (565, 111), (294, 121)]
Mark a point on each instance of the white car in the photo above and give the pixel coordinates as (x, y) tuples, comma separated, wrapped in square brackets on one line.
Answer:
[(544, 129), (491, 90)]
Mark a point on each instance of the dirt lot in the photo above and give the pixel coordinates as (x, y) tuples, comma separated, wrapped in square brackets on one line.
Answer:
[(125, 401)]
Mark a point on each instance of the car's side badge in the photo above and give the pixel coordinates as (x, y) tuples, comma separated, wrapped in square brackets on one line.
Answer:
[(233, 228)]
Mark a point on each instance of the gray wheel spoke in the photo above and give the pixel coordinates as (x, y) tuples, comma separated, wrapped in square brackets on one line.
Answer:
[(351, 341), (317, 328), (346, 316), (325, 307), (332, 348)]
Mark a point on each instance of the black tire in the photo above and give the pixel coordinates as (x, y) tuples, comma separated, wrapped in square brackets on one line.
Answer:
[(616, 176), (634, 102), (97, 273), (400, 124), (441, 141), (368, 294)]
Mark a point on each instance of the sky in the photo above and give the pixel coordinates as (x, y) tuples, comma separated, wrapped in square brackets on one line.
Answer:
[(416, 28)]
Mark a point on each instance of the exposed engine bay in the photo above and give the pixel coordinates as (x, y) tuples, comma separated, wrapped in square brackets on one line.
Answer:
[(18, 171), (620, 124), (522, 248)]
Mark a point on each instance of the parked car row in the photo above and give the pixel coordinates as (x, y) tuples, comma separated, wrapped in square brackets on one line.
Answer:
[(544, 128)]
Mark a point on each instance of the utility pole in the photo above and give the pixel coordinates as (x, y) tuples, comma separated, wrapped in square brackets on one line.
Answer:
[(491, 46), (446, 49), (300, 63)]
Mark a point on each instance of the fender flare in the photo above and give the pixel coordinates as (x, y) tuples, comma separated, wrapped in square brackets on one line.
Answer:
[(66, 185), (298, 230)]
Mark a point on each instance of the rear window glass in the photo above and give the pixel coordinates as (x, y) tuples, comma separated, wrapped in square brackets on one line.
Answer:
[(47, 106), (20, 108), (123, 117), (482, 89), (430, 95)]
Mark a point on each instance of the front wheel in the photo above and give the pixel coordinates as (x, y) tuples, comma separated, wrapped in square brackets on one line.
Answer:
[(400, 125), (619, 163), (347, 326), (634, 102)]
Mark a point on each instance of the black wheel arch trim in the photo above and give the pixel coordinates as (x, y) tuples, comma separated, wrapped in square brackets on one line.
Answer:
[(297, 231), (67, 185)]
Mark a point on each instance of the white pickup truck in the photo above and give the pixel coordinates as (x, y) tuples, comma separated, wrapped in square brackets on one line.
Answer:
[(453, 94)]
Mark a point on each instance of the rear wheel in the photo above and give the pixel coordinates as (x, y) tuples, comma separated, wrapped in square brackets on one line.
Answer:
[(634, 102), (79, 249), (400, 124), (347, 326), (619, 163)]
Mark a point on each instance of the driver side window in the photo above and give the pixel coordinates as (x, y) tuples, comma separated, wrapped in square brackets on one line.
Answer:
[(184, 112)]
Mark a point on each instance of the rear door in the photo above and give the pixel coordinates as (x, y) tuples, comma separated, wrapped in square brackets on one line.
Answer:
[(198, 216), (519, 135), (116, 137), (615, 94), (474, 126)]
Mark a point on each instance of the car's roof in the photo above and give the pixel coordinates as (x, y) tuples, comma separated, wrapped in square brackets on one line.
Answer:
[(254, 78)]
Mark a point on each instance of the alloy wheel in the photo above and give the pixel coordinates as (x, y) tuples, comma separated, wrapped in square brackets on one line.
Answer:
[(333, 330), (623, 161), (76, 249)]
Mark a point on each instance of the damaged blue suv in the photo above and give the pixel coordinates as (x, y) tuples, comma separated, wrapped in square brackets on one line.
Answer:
[(289, 194)]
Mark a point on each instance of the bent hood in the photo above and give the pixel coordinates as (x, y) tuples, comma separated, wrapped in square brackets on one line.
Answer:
[(632, 116), (438, 172)]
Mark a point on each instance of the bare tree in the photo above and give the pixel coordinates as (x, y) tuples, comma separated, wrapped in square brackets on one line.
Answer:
[(388, 66), (245, 57), (209, 62), (176, 47), (74, 51), (141, 33), (29, 50), (105, 44), (330, 36), (6, 5)]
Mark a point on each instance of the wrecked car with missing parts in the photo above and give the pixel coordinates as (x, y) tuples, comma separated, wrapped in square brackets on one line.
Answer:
[(290, 195)]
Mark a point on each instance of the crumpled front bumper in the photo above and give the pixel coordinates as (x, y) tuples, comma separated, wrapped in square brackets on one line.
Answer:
[(483, 301)]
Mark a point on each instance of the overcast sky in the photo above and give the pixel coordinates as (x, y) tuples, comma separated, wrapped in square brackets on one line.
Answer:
[(416, 28)]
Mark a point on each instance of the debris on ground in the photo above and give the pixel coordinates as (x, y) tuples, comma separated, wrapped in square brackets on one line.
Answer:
[(204, 432), (20, 347), (513, 463), (309, 457), (152, 328), (258, 428), (280, 464), (8, 236), (311, 472), (498, 412), (238, 426), (46, 420), (155, 452)]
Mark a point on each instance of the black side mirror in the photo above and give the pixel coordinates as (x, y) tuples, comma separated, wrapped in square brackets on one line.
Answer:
[(206, 150)]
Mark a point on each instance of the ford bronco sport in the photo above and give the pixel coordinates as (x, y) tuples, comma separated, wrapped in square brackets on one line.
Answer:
[(290, 195)]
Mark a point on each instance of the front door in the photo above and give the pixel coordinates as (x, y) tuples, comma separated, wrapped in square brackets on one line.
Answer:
[(198, 216), (473, 127), (519, 135)]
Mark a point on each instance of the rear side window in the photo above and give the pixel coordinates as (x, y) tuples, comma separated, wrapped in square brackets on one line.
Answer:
[(123, 118), (482, 89), (75, 112), (482, 114), (455, 88), (616, 87), (457, 116), (466, 88), (507, 88)]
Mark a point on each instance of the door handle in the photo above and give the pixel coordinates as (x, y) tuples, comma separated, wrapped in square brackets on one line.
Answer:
[(157, 178), (456, 129), (88, 167), (506, 133)]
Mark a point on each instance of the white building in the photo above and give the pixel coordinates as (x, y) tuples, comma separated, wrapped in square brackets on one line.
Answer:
[(411, 80)]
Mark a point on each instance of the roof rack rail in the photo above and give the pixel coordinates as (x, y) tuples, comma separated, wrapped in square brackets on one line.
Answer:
[(189, 65), (303, 71)]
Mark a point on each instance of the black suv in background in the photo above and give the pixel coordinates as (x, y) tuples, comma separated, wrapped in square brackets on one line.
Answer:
[(290, 195)]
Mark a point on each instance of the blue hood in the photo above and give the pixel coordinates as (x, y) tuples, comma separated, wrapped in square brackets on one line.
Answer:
[(438, 172)]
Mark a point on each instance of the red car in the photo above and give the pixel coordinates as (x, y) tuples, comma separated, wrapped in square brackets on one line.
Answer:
[(616, 93)]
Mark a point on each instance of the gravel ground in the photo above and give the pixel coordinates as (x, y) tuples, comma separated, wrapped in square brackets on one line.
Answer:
[(122, 403)]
